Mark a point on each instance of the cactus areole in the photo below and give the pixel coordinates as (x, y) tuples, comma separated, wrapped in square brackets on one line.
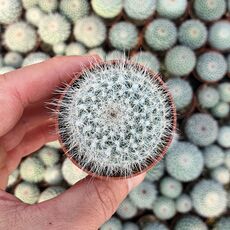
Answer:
[(116, 119)]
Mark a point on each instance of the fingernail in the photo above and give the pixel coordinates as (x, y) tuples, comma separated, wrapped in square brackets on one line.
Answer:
[(134, 181)]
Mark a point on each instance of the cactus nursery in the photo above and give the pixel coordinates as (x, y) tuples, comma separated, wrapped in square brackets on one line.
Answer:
[(157, 102)]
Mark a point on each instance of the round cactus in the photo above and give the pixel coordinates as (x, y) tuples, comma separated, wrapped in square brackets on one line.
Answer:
[(160, 34), (192, 33), (147, 59), (115, 55), (49, 156), (34, 58), (90, 31), (144, 195), (222, 224), (227, 159), (221, 110), (219, 35), (75, 48), (107, 9), (54, 144), (224, 91), (59, 48), (127, 209), (208, 96), (27, 192), (164, 208), (32, 170), (130, 226), (171, 8), (156, 172), (190, 222), (228, 61), (10, 11), (20, 37), (48, 6), (209, 10), (74, 9), (54, 24), (180, 61), (123, 36), (50, 193), (156, 225), (184, 203), (34, 15), (201, 129), (27, 4), (98, 51), (224, 137), (71, 173), (213, 156), (6, 69), (53, 175), (184, 161), (209, 198), (132, 114), (112, 224), (1, 61), (181, 91), (170, 187), (13, 59), (139, 10), (13, 177), (221, 174)]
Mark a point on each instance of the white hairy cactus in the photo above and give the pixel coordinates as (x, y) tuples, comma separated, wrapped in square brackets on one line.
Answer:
[(116, 119)]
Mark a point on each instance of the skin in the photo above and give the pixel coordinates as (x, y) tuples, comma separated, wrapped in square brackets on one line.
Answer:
[(25, 127)]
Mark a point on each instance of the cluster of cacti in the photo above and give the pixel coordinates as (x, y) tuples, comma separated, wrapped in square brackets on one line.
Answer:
[(188, 43)]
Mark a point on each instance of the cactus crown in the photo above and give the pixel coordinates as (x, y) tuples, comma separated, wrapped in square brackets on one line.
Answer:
[(116, 119)]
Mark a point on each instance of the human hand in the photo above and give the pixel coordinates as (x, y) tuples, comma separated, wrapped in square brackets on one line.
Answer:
[(25, 126)]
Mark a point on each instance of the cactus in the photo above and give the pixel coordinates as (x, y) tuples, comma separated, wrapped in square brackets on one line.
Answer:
[(164, 208), (34, 15), (75, 48), (74, 9), (27, 4), (20, 37), (91, 31), (127, 209), (209, 10), (112, 224), (222, 224), (201, 129), (49, 156), (13, 177), (209, 198), (181, 91), (132, 115), (48, 6), (144, 195), (190, 222), (224, 91), (98, 51), (184, 161), (156, 225), (54, 24), (13, 59), (224, 136), (10, 11), (54, 144), (192, 33), (156, 172), (6, 69), (219, 35), (123, 36), (34, 58), (59, 48), (227, 159), (221, 175), (53, 175), (115, 55), (171, 9), (160, 34), (130, 226), (184, 203), (180, 60), (27, 192), (140, 11), (107, 9), (50, 193), (221, 110)]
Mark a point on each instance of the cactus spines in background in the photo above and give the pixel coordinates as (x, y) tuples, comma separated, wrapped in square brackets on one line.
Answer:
[(53, 175), (50, 193), (139, 10), (13, 177), (171, 9), (221, 110), (164, 208), (20, 37), (127, 209), (156, 172), (222, 224), (27, 4), (156, 225), (227, 159), (144, 195), (98, 51), (201, 129), (224, 136), (184, 161), (91, 31), (74, 9), (6, 69), (209, 198), (181, 91), (59, 48), (75, 48), (130, 226), (107, 9), (48, 6), (190, 222), (115, 55), (192, 33), (133, 119), (209, 10), (34, 15), (49, 156), (34, 58), (27, 192), (123, 36), (112, 224), (147, 59), (221, 174), (54, 24), (10, 11), (180, 60), (160, 34), (13, 59), (184, 203), (224, 91)]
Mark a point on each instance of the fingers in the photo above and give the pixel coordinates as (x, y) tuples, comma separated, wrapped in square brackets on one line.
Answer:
[(25, 86)]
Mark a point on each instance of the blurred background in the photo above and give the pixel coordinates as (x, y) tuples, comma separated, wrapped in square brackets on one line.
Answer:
[(188, 43)]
